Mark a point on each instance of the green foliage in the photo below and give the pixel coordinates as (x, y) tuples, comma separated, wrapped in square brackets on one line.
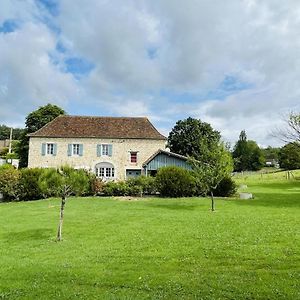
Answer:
[(34, 121), (64, 182), (226, 187), (175, 182), (11, 156), (9, 182), (289, 156), (145, 184), (131, 187), (215, 164), (247, 155), (23, 149), (119, 188), (3, 152), (5, 132), (29, 184), (42, 116), (187, 137), (50, 183), (271, 153)]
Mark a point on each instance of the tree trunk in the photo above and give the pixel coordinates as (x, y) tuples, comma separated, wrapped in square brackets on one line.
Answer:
[(61, 219), (212, 201)]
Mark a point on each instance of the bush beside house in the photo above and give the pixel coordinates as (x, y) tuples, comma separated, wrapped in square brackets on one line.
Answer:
[(29, 184)]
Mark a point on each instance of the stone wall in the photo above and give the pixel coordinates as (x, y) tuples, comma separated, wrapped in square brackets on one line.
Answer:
[(120, 154)]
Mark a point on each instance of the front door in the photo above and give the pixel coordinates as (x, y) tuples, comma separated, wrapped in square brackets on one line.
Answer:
[(130, 173)]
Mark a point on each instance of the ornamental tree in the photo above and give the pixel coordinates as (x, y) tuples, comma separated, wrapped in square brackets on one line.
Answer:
[(214, 165), (63, 182)]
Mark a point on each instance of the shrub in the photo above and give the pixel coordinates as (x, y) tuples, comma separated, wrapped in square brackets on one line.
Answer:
[(29, 184), (64, 181), (146, 185), (49, 183), (97, 186), (175, 182), (116, 188), (9, 182), (226, 188)]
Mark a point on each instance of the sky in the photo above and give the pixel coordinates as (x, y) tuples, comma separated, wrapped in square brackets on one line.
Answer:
[(234, 64)]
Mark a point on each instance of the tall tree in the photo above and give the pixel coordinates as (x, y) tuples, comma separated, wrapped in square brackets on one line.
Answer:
[(34, 121), (247, 155), (188, 136)]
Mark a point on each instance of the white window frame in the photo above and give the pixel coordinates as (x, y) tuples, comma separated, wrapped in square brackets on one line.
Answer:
[(105, 171), (105, 149), (75, 149), (49, 148)]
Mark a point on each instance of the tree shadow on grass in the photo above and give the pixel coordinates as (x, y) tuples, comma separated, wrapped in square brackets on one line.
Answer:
[(26, 235)]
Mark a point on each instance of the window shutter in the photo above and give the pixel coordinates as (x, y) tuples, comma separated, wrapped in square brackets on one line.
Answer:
[(109, 150), (99, 150), (54, 149), (80, 149), (69, 149), (43, 151)]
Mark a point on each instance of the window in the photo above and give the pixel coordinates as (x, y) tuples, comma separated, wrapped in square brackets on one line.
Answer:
[(76, 149), (105, 170), (100, 172), (105, 149), (133, 157), (50, 149)]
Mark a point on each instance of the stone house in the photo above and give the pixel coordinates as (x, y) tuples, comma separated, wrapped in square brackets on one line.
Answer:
[(111, 147)]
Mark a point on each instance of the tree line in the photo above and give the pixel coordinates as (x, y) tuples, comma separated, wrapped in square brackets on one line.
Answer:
[(189, 137)]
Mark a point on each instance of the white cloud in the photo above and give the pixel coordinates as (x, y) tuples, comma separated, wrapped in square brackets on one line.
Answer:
[(142, 47), (28, 78)]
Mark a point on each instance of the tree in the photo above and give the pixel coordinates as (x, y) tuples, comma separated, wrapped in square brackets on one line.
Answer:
[(289, 156), (187, 137), (292, 131), (271, 153), (63, 182), (5, 132), (247, 155), (34, 121), (214, 165)]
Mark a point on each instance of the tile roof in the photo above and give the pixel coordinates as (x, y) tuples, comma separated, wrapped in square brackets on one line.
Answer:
[(99, 127)]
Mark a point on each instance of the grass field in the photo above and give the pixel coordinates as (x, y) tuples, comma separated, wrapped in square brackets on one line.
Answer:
[(155, 248)]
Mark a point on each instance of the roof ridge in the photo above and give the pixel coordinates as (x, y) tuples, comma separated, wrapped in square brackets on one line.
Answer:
[(95, 126), (108, 117)]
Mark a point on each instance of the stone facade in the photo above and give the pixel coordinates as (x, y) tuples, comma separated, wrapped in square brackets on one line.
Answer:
[(120, 157)]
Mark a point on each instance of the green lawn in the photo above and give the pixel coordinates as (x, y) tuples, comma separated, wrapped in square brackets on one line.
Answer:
[(155, 248)]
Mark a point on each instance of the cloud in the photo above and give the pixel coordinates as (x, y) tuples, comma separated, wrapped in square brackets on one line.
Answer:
[(28, 78), (235, 63)]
